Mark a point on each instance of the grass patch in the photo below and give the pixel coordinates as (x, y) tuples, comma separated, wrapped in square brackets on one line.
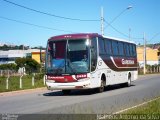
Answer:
[(3, 84), (149, 108), (148, 111), (14, 85)]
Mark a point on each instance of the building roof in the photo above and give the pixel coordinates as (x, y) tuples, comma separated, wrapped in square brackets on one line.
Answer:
[(156, 46), (17, 53)]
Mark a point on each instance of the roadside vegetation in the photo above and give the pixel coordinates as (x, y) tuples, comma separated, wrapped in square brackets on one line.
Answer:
[(30, 65), (14, 82), (149, 108), (10, 75)]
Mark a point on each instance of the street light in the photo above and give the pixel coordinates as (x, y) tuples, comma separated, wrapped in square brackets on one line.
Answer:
[(129, 7)]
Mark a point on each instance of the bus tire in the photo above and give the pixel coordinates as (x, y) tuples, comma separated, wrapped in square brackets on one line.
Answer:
[(129, 81), (66, 92), (128, 84), (102, 86)]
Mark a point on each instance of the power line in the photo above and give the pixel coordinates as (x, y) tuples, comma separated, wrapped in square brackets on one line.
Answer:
[(49, 14), (154, 36), (125, 35), (31, 24)]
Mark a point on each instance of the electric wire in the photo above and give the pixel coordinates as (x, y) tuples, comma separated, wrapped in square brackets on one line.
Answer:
[(125, 35), (154, 37), (35, 25), (49, 14), (62, 17)]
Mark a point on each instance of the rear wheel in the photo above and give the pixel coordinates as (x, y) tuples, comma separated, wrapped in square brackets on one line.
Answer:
[(128, 84), (66, 92)]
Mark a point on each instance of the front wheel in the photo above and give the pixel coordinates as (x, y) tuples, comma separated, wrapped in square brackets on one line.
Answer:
[(102, 86)]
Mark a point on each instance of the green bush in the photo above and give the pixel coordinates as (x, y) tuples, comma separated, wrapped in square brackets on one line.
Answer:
[(10, 66), (30, 64)]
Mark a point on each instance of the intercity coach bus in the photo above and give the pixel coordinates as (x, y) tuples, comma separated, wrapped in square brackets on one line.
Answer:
[(89, 60)]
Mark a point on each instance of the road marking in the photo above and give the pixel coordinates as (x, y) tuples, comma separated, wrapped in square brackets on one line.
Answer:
[(136, 106)]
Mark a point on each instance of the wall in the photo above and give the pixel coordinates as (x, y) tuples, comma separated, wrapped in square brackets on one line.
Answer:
[(152, 57), (36, 56)]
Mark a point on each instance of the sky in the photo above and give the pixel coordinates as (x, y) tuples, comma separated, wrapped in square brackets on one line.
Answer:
[(31, 27)]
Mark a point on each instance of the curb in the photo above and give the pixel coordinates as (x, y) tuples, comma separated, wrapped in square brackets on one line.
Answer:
[(21, 91)]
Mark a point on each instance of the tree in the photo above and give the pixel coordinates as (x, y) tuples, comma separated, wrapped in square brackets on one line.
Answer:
[(20, 62), (30, 64), (10, 66)]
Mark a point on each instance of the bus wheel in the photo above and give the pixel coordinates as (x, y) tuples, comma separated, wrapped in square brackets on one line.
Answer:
[(128, 84), (101, 88), (66, 92)]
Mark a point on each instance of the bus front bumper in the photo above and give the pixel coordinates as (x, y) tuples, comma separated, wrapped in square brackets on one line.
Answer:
[(85, 84)]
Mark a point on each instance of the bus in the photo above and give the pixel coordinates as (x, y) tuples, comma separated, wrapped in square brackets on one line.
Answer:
[(89, 60)]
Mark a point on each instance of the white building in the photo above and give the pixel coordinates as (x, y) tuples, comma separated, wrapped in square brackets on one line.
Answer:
[(11, 55)]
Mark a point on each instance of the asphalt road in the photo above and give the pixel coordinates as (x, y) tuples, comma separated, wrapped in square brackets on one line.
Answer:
[(114, 99)]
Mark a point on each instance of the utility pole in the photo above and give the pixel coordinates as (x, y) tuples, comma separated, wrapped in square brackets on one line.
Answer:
[(40, 54), (144, 54), (102, 21)]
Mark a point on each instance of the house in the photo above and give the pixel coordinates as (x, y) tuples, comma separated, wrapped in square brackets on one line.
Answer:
[(152, 56), (39, 56)]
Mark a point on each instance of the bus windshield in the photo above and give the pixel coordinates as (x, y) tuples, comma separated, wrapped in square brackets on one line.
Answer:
[(67, 57)]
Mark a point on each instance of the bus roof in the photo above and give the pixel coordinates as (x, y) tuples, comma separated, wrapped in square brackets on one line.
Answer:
[(85, 35), (119, 39), (74, 36)]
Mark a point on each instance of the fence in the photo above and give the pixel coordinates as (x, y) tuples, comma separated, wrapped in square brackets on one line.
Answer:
[(150, 69), (153, 69), (11, 80)]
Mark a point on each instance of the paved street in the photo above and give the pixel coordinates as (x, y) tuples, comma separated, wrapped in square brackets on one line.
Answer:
[(114, 98)]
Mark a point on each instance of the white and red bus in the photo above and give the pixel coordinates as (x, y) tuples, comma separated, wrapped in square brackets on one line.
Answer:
[(89, 60)]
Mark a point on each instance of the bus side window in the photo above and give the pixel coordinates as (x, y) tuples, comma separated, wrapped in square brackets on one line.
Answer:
[(134, 50), (93, 54), (108, 46), (121, 48), (101, 46), (126, 49), (115, 47), (130, 49)]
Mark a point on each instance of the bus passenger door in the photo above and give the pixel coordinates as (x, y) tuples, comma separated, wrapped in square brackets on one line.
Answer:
[(93, 66)]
